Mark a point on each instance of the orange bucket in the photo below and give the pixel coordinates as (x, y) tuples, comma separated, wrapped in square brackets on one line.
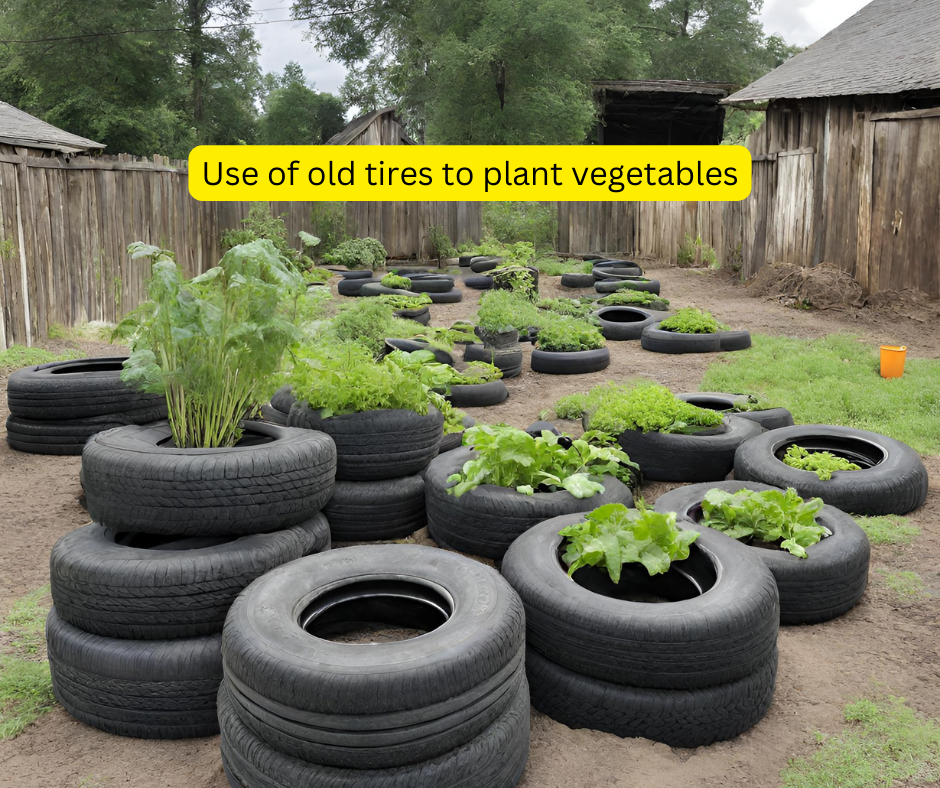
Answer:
[(892, 361)]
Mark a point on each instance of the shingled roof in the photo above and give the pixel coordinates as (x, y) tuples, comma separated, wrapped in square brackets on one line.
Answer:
[(360, 124), (890, 46), (21, 128)]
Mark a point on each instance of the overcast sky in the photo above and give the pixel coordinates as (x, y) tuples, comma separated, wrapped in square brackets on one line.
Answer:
[(798, 21)]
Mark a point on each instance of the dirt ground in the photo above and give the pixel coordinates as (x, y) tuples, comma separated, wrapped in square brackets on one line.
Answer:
[(888, 643)]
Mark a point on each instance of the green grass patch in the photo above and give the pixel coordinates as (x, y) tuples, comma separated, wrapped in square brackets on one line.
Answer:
[(904, 583), (891, 529), (836, 380), (18, 356), (886, 741), (25, 682)]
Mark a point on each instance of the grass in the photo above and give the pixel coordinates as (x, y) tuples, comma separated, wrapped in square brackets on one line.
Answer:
[(18, 356), (905, 583), (886, 741), (25, 682), (836, 380), (888, 530)]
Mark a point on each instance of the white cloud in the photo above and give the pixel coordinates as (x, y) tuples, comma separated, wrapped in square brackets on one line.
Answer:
[(805, 21)]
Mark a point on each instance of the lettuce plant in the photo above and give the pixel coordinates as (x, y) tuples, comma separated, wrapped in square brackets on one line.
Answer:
[(692, 321), (396, 282), (822, 463)]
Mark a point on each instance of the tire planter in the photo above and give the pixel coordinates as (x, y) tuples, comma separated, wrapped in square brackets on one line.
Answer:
[(577, 280), (770, 419), (370, 289), (154, 689), (431, 283), (373, 511), (734, 340), (478, 282), (612, 285), (717, 621), (351, 287), (579, 362), (413, 345), (452, 296), (421, 315), (283, 399), (487, 519), (893, 480), (508, 361), (140, 587), (536, 428), (656, 340), (272, 415), (622, 267), (825, 585), (277, 477), (376, 444), (78, 390), (355, 274), (455, 439), (60, 438), (464, 261), (478, 395), (480, 266), (391, 704), (704, 457), (624, 323)]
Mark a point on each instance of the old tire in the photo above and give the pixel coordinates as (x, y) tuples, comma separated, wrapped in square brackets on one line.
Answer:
[(431, 283), (825, 585), (136, 587), (57, 437), (421, 315), (133, 483), (577, 280), (375, 511), (155, 689), (452, 296), (376, 444), (464, 261), (613, 284), (412, 346), (392, 703), (724, 634), (893, 479), (656, 340), (356, 274), (351, 287), (770, 419), (478, 282), (624, 323), (734, 340), (370, 289), (485, 521), (484, 265), (579, 362), (454, 440), (626, 267), (510, 364), (479, 395)]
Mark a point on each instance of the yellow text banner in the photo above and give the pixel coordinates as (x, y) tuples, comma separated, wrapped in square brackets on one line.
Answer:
[(470, 172)]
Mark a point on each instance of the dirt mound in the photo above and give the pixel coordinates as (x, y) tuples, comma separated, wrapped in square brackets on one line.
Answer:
[(910, 304), (824, 286)]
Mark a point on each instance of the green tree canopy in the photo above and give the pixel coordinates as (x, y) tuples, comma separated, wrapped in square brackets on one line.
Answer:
[(295, 114)]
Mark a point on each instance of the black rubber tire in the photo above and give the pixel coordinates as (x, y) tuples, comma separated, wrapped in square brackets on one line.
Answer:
[(132, 483), (454, 440), (536, 428), (272, 415), (484, 265), (116, 591), (620, 267), (679, 718), (510, 364), (579, 362), (464, 261), (577, 280), (422, 315), (390, 704), (478, 282), (621, 331), (770, 419), (496, 758), (377, 444), (283, 399), (370, 289), (826, 585), (734, 340), (896, 485), (78, 390), (453, 296), (486, 520), (704, 457), (376, 511), (156, 689), (351, 287), (656, 340), (60, 438), (479, 395), (722, 635), (414, 345), (355, 274), (427, 283), (612, 285)]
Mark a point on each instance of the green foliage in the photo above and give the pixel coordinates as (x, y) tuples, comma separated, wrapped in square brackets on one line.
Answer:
[(296, 114), (516, 278), (531, 222), (890, 529), (886, 744), (614, 535), (262, 224), (18, 356), (633, 298), (440, 377), (357, 253), (328, 219), (554, 266), (508, 457), (836, 380), (504, 310), (692, 321), (905, 583), (440, 242), (696, 253), (569, 334), (26, 621), (740, 124), (822, 463), (453, 417), (366, 321), (212, 345), (752, 404), (317, 275), (56, 331), (396, 282), (570, 307), (773, 516), (396, 301)]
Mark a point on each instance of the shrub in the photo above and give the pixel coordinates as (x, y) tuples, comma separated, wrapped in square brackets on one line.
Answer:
[(692, 321), (568, 334), (503, 310), (262, 224), (694, 253), (509, 222), (357, 253), (516, 278), (440, 242), (329, 223), (396, 282)]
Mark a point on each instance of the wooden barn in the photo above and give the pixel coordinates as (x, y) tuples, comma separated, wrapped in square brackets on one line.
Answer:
[(847, 164), (379, 127)]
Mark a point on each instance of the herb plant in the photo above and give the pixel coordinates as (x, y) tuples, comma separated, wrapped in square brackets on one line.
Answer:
[(213, 344), (357, 253), (632, 298), (508, 457), (568, 334), (614, 535), (396, 282), (501, 311), (570, 307), (692, 321), (773, 516), (822, 463)]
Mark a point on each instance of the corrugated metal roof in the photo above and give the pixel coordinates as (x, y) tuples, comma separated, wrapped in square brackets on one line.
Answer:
[(21, 128), (890, 46)]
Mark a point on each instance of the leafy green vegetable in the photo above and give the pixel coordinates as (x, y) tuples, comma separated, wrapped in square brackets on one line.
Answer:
[(317, 275), (261, 224), (822, 463), (614, 535), (773, 516), (415, 301), (502, 310), (632, 298), (396, 282), (453, 417), (357, 253), (692, 321), (752, 403), (440, 377), (571, 307), (508, 457), (515, 278), (213, 344), (568, 334)]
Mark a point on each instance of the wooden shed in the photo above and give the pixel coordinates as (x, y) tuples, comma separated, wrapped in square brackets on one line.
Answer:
[(34, 137), (847, 164), (379, 127)]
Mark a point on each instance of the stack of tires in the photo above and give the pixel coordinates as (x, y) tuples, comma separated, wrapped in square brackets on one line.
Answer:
[(305, 703), (55, 408), (440, 288), (140, 595), (686, 658), (381, 457)]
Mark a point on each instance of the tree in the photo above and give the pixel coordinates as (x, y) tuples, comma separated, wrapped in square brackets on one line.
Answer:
[(295, 114)]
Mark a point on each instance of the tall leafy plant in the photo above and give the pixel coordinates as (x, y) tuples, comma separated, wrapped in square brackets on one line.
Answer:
[(212, 344)]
